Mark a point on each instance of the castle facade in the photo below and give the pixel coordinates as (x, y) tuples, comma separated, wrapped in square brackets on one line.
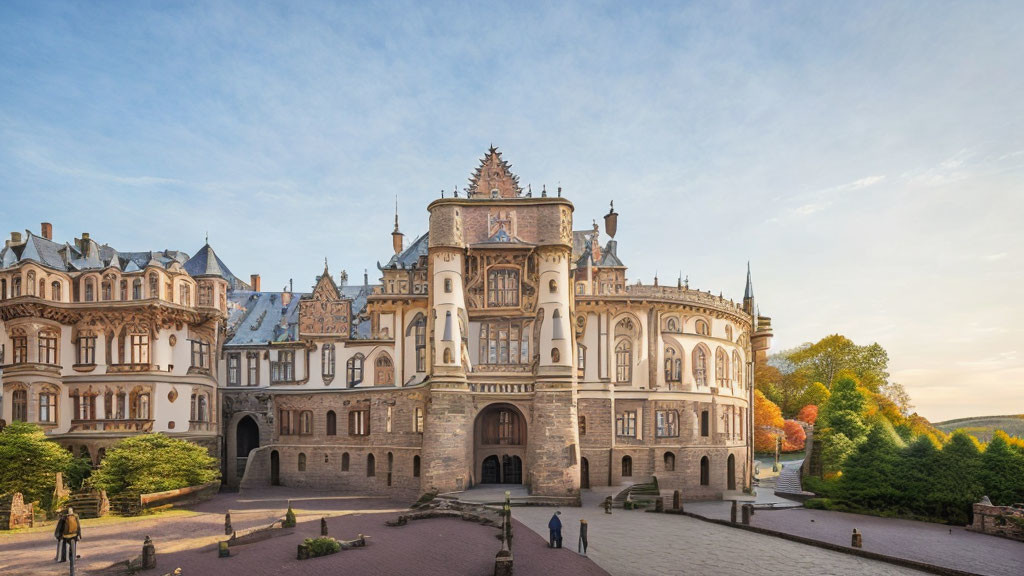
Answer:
[(502, 346)]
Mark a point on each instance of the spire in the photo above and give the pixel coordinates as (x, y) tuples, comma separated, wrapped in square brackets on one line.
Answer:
[(397, 237), (396, 212), (749, 292)]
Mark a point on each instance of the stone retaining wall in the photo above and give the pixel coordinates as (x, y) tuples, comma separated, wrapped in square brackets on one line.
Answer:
[(1005, 521)]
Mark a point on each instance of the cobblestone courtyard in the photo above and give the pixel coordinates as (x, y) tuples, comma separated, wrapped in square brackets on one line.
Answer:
[(623, 543)]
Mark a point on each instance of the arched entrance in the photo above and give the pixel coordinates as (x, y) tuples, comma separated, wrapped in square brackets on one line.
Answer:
[(584, 474), (499, 444), (275, 469), (731, 472), (247, 439)]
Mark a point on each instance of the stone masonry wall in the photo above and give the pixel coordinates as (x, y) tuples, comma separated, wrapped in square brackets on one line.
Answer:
[(1006, 521)]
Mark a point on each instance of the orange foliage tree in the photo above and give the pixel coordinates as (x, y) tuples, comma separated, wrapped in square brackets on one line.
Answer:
[(768, 423), (808, 414), (795, 436)]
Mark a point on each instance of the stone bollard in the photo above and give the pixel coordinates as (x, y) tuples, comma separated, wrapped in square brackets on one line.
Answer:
[(148, 554), (227, 524), (676, 501), (732, 511), (503, 563), (323, 526), (747, 512), (856, 539)]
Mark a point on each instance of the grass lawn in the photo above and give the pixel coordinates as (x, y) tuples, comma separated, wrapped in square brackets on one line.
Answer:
[(107, 520)]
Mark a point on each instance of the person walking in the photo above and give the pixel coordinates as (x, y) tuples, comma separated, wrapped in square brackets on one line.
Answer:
[(555, 530), (58, 531), (583, 537), (70, 536)]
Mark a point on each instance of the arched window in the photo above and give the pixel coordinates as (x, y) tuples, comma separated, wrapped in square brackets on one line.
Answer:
[(673, 365), (419, 329), (721, 368), (737, 368), (700, 365), (327, 362), (30, 284), (670, 462), (107, 288), (47, 347), (154, 286), (137, 288), (139, 408), (138, 344), (354, 367), (705, 471), (371, 465), (627, 466), (332, 423), (305, 422), (19, 346), (701, 327), (90, 290), (624, 361), (202, 412), (16, 287), (383, 371), (302, 462), (415, 466), (552, 286), (42, 288), (48, 406), (502, 288), (447, 357), (344, 462), (556, 356), (124, 290), (19, 405), (672, 325)]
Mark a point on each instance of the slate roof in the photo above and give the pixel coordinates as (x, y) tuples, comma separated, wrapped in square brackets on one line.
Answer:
[(608, 256), (89, 255), (409, 257)]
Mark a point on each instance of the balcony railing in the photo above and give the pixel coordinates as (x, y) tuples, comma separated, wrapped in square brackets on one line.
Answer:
[(112, 425), (501, 388), (130, 368)]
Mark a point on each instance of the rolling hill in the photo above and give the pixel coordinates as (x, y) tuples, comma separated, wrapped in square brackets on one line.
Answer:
[(983, 427)]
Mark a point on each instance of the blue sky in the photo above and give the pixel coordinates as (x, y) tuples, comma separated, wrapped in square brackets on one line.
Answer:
[(868, 158)]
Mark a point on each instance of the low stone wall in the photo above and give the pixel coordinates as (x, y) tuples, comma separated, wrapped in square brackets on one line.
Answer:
[(181, 496), (14, 512), (1005, 521)]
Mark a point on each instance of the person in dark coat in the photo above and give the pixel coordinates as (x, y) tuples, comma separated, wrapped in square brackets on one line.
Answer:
[(58, 531), (555, 528)]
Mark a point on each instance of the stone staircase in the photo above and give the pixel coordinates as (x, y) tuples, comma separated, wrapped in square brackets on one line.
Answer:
[(646, 492), (89, 503)]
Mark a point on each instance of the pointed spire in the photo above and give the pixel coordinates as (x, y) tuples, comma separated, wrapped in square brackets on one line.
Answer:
[(396, 212), (749, 292)]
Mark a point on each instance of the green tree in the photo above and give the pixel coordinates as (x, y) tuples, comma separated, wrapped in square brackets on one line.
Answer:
[(154, 463), (816, 394), (869, 472), (915, 476), (1002, 472), (825, 360), (835, 449), (845, 395), (957, 483), (29, 462)]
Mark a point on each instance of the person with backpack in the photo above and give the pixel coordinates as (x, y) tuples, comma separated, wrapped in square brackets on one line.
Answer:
[(70, 536), (58, 531)]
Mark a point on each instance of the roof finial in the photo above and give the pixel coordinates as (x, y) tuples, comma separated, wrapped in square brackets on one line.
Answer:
[(325, 263), (396, 212), (679, 282), (442, 192), (529, 190), (544, 191), (207, 237), (559, 189)]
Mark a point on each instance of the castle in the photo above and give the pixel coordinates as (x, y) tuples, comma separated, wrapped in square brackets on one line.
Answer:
[(502, 346)]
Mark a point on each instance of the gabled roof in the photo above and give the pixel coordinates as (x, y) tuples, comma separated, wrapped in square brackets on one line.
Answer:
[(608, 256), (493, 174)]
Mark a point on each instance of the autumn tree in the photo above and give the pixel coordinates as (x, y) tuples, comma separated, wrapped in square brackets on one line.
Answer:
[(825, 360), (808, 414), (768, 423), (795, 436)]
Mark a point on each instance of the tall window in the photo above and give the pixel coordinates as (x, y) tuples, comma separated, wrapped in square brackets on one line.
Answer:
[(670, 462), (705, 471), (354, 369), (200, 408), (700, 366), (420, 332), (154, 286), (581, 360), (627, 466), (90, 290), (305, 422), (16, 287), (705, 423), (19, 344), (327, 361), (137, 289), (185, 295), (505, 427), (252, 367), (107, 289), (287, 423), (55, 292), (388, 419), (371, 465), (701, 327), (234, 369), (47, 407), (19, 405), (673, 365), (624, 360), (415, 466), (504, 342), (502, 288), (332, 423), (200, 354), (138, 340), (625, 423), (737, 368), (140, 406), (85, 406), (359, 422), (666, 423), (344, 462), (383, 371), (47, 347), (30, 284), (284, 369), (721, 368), (302, 462), (417, 423), (728, 333)]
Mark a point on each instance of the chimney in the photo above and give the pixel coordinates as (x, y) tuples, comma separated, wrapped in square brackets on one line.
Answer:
[(47, 230), (254, 281), (286, 299), (15, 237), (291, 286), (366, 277)]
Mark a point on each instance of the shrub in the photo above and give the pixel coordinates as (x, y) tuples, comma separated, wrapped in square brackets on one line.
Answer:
[(154, 463), (321, 546), (29, 463)]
